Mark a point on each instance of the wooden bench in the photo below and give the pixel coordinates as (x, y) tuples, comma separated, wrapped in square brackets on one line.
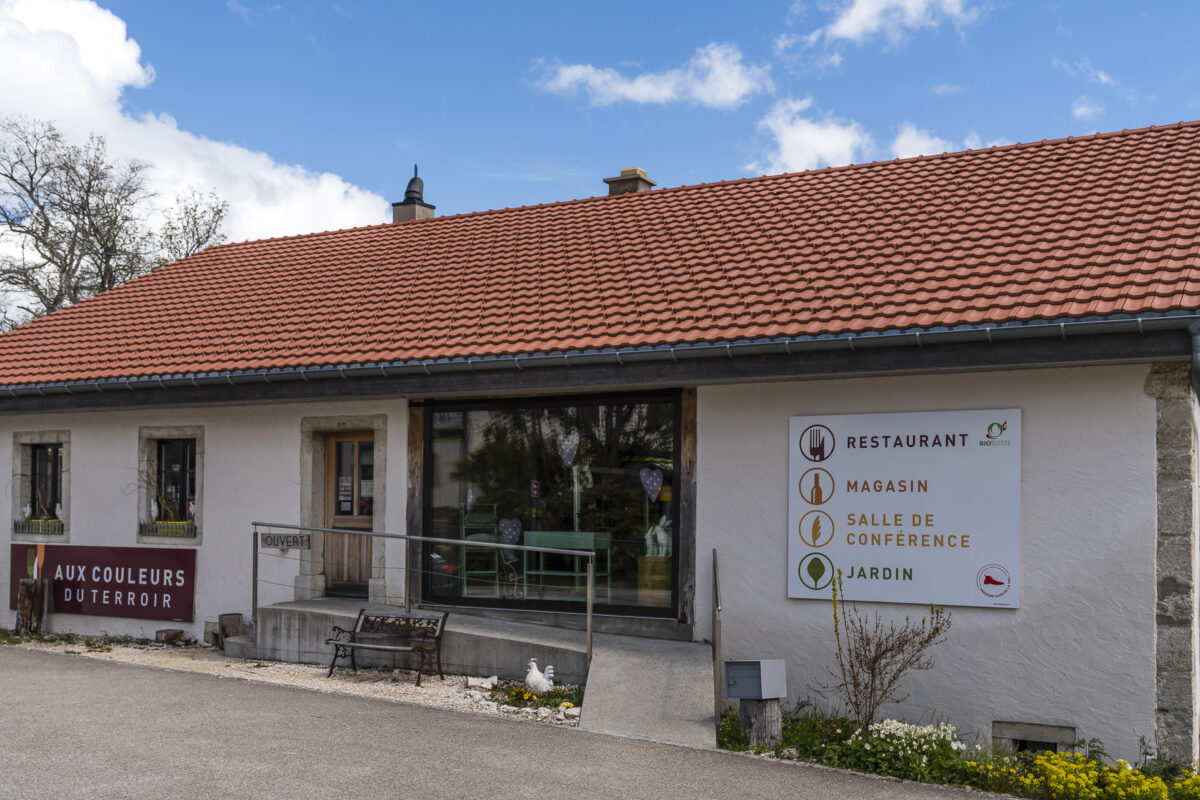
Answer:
[(392, 632)]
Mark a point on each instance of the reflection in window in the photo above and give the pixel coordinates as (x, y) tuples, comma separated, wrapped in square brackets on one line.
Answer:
[(45, 495), (582, 476), (175, 487), (354, 473)]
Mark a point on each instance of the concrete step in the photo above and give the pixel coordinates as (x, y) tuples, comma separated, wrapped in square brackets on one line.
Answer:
[(471, 645), (646, 688), (651, 689), (240, 647)]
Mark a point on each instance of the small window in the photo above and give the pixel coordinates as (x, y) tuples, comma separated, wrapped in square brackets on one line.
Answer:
[(39, 484), (174, 497), (1033, 736), (45, 484), (170, 479)]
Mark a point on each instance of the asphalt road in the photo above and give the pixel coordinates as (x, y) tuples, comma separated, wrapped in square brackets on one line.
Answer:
[(74, 727)]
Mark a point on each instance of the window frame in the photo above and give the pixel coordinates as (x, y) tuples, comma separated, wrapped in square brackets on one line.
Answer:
[(682, 529), (28, 529), (157, 531)]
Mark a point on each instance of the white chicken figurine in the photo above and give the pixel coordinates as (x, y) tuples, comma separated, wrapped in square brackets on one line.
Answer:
[(536, 681)]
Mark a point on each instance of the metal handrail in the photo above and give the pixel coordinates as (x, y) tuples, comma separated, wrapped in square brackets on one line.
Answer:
[(589, 554), (718, 660)]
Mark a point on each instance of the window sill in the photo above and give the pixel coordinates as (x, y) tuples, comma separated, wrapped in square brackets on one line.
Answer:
[(172, 530), (53, 527)]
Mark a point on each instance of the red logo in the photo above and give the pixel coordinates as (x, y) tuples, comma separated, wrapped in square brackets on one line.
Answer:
[(993, 580)]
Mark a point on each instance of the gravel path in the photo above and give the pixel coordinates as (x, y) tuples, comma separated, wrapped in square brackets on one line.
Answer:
[(395, 685)]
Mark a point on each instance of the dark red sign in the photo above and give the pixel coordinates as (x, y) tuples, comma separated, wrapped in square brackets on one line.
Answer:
[(139, 582)]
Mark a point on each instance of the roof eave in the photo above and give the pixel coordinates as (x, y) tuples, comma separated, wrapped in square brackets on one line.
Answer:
[(625, 357)]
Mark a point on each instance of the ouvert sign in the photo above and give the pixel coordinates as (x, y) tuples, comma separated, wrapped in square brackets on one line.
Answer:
[(910, 508)]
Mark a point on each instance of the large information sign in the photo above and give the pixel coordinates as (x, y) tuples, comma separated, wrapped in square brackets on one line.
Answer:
[(138, 582), (912, 508)]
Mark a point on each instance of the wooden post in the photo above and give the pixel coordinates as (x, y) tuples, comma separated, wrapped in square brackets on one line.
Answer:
[(762, 721), (31, 605)]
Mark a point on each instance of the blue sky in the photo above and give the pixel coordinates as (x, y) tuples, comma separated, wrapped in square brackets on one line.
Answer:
[(309, 115)]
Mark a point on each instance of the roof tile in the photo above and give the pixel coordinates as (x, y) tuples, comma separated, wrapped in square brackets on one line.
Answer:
[(1084, 226)]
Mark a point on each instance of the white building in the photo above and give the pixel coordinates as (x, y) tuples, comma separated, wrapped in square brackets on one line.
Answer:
[(638, 375)]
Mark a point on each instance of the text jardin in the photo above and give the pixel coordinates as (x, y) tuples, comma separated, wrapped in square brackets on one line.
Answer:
[(879, 573)]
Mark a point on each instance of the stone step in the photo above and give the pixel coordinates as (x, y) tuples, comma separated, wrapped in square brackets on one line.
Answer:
[(240, 647)]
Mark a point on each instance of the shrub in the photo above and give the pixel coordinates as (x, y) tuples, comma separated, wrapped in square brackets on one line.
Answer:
[(729, 731), (872, 657), (1121, 782), (913, 752), (1186, 789), (809, 734), (993, 771)]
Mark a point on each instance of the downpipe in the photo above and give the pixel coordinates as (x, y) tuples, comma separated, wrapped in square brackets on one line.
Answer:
[(1194, 332)]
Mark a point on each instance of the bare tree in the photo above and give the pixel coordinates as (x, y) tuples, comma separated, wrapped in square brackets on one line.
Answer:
[(872, 656), (192, 225), (73, 221)]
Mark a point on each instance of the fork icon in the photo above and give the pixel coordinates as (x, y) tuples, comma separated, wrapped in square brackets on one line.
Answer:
[(815, 444)]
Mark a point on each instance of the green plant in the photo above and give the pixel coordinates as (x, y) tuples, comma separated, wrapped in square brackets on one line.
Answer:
[(873, 657), (1172, 772), (992, 770), (912, 752), (729, 731), (809, 733), (1121, 782), (511, 693), (1186, 788)]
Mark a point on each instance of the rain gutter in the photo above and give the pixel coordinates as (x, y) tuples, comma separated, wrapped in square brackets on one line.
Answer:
[(648, 354)]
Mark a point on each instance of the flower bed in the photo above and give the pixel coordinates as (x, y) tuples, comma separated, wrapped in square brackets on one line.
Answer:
[(514, 693), (935, 754)]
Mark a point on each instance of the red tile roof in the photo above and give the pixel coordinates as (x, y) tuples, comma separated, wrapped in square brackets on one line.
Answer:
[(1084, 227)]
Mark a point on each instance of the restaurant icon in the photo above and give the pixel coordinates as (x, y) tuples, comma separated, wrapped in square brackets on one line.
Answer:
[(816, 443)]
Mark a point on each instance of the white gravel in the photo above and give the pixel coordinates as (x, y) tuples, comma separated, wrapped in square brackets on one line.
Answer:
[(395, 685)]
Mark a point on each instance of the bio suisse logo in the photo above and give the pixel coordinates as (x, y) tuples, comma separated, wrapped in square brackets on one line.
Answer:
[(995, 435)]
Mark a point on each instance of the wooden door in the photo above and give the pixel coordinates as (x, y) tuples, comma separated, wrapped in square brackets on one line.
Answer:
[(350, 504)]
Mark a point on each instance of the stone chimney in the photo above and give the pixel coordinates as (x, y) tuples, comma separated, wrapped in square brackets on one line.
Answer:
[(631, 179), (413, 205)]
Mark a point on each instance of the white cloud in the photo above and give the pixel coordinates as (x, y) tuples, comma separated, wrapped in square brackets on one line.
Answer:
[(783, 43), (715, 76), (1083, 68), (860, 20), (803, 142), (1085, 108), (240, 10), (914, 141), (76, 61), (947, 89), (974, 141)]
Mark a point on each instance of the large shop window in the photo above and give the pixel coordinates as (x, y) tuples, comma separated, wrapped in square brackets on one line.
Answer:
[(582, 474)]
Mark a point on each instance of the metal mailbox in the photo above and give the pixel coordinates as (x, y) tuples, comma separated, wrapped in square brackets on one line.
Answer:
[(755, 680)]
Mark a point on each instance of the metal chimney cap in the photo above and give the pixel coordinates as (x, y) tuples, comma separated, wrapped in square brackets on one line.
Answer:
[(415, 192)]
